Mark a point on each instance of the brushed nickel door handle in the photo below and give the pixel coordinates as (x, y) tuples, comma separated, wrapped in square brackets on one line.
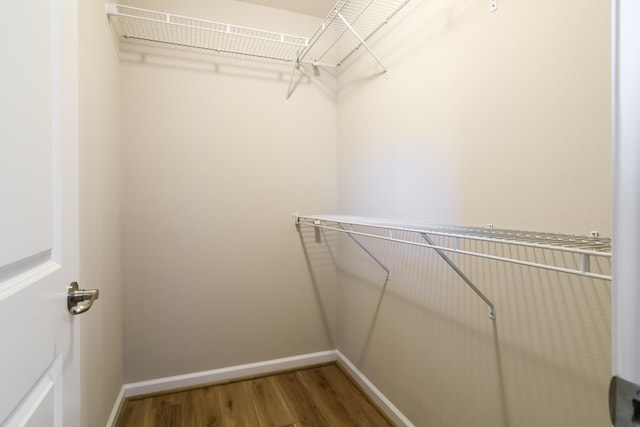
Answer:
[(80, 300)]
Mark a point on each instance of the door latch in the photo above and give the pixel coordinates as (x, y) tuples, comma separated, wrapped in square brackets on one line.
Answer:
[(624, 403), (80, 300)]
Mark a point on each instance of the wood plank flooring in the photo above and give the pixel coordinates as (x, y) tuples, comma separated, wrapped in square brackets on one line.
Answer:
[(322, 396)]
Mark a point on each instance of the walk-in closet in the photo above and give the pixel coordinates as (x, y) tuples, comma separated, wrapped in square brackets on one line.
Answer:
[(412, 198)]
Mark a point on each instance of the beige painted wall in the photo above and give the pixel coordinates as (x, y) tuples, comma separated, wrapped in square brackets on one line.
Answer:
[(100, 214), (485, 118), (215, 164)]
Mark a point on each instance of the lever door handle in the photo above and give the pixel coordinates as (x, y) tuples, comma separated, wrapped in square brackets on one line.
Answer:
[(80, 300)]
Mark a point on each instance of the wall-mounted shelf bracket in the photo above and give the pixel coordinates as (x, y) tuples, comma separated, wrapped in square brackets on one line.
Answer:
[(492, 308), (373, 257), (362, 42), (332, 43), (318, 225)]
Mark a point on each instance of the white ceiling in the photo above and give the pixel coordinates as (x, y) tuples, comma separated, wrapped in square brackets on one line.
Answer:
[(320, 8)]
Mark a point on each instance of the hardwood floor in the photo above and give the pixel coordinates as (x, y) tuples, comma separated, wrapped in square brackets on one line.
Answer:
[(322, 396)]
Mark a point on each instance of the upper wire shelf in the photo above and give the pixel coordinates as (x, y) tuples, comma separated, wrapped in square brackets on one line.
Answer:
[(347, 28), (144, 26), (349, 25), (584, 248)]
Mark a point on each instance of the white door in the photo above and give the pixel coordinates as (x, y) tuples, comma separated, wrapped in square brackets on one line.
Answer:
[(626, 212), (39, 361)]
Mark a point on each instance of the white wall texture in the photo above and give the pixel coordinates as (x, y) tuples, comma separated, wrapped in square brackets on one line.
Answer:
[(100, 214), (215, 164), (486, 118), (508, 112)]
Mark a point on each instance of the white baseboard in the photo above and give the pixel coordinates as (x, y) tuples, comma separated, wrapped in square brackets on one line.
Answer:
[(230, 373), (260, 368), (374, 394), (115, 412)]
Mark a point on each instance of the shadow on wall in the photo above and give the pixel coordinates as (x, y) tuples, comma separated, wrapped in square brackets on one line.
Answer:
[(411, 32), (319, 254), (426, 341)]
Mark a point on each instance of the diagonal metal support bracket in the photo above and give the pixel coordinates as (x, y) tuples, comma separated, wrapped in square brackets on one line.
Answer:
[(372, 256), (362, 42), (492, 308), (292, 86), (318, 226)]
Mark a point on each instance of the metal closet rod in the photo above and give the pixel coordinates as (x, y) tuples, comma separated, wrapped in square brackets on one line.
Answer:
[(457, 234)]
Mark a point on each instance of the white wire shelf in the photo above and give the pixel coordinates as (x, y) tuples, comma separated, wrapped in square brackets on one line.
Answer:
[(585, 247), (349, 25), (142, 26), (461, 240), (347, 28)]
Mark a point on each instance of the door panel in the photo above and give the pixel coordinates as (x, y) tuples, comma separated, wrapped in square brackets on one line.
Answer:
[(38, 409), (26, 115), (39, 363)]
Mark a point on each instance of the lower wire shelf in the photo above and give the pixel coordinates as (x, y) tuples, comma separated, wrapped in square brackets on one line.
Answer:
[(459, 240)]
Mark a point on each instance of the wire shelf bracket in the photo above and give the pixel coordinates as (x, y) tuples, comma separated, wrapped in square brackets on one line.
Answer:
[(454, 267), (368, 252), (349, 26), (585, 248), (362, 42)]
